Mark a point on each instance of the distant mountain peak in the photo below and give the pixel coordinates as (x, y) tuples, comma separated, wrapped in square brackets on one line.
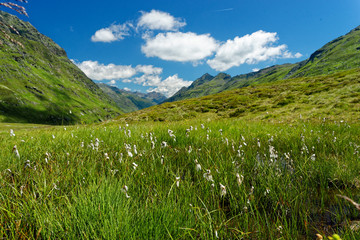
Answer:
[(342, 53)]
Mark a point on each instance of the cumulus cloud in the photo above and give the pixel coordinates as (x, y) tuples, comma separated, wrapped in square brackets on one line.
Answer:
[(149, 69), (256, 47), (180, 47), (158, 20), (170, 85), (145, 75), (112, 33), (99, 71)]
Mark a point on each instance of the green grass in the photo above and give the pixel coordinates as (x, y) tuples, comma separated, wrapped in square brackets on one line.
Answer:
[(39, 84), (75, 189), (307, 98)]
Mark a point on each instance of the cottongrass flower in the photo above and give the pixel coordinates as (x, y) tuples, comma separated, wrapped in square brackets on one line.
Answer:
[(16, 152), (163, 144), (12, 134), (134, 165), (267, 191), (239, 179), (207, 175), (222, 190), (171, 134), (197, 166), (177, 181), (125, 190), (313, 157), (96, 145), (162, 160), (190, 149), (152, 145), (27, 164), (106, 156)]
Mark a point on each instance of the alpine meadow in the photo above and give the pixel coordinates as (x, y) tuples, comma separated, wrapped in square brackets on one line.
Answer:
[(268, 154)]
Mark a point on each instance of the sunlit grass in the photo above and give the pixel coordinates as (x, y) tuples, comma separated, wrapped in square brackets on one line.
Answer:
[(279, 180)]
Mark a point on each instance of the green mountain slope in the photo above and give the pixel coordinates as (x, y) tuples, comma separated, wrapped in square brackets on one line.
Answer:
[(39, 84), (340, 54), (131, 101), (334, 96)]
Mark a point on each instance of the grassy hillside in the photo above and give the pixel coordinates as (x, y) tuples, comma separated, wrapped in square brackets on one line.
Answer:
[(198, 179), (39, 84), (131, 101), (336, 96), (338, 55)]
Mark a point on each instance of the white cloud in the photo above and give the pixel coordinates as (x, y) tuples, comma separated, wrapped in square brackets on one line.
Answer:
[(149, 69), (249, 49), (98, 71), (112, 33), (170, 85), (127, 89), (255, 69), (148, 80), (158, 20), (145, 75), (181, 47)]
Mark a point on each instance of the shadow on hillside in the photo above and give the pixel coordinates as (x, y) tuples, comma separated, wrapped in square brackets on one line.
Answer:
[(52, 115)]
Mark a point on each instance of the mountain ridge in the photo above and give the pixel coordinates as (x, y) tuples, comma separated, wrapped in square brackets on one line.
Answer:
[(342, 53), (129, 101), (39, 84)]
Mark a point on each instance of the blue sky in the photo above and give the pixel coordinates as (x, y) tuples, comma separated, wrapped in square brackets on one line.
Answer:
[(163, 45)]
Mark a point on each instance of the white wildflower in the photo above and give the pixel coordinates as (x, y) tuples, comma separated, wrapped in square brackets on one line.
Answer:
[(198, 166), (207, 175), (134, 165), (96, 145), (135, 151), (163, 144), (313, 157), (222, 190), (239, 178), (12, 134), (16, 152), (177, 181)]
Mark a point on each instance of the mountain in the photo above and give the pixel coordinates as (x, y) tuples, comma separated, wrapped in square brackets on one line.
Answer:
[(335, 96), (343, 53), (131, 101), (39, 84)]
